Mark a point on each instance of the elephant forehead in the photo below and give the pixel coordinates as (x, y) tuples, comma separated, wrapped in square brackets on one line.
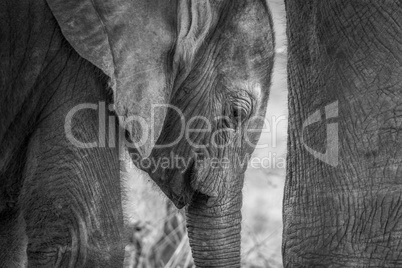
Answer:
[(247, 46), (240, 87), (253, 88)]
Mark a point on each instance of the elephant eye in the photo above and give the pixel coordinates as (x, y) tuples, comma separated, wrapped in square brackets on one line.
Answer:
[(241, 110), (239, 113)]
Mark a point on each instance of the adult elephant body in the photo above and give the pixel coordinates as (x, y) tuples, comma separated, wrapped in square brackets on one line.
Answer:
[(342, 201), (63, 64), (58, 202)]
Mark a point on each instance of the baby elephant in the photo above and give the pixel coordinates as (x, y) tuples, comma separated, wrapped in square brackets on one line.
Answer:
[(182, 84)]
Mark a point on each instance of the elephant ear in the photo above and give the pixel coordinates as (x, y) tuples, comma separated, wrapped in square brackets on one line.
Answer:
[(195, 20), (131, 41)]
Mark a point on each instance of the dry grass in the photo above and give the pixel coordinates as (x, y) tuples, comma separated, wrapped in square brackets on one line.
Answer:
[(169, 248)]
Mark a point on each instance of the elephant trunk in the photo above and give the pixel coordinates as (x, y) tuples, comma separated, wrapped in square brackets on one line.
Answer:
[(214, 231)]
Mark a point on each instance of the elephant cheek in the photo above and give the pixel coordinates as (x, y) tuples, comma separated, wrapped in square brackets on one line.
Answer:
[(214, 231)]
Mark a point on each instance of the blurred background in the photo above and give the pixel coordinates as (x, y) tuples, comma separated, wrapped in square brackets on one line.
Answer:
[(156, 229)]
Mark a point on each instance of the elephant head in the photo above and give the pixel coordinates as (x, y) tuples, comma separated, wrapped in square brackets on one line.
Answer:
[(216, 113), (207, 66)]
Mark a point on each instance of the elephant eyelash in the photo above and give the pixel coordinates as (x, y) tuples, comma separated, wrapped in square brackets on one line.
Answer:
[(239, 113), (242, 107)]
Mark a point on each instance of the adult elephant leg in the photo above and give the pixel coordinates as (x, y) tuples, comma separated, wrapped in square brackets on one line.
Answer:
[(342, 200), (71, 196)]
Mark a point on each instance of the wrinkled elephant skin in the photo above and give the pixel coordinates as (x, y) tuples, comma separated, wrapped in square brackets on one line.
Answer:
[(64, 65), (60, 204), (222, 99), (342, 195)]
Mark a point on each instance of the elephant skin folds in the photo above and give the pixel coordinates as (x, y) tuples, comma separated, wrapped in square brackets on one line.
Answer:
[(344, 64), (210, 59), (61, 205)]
